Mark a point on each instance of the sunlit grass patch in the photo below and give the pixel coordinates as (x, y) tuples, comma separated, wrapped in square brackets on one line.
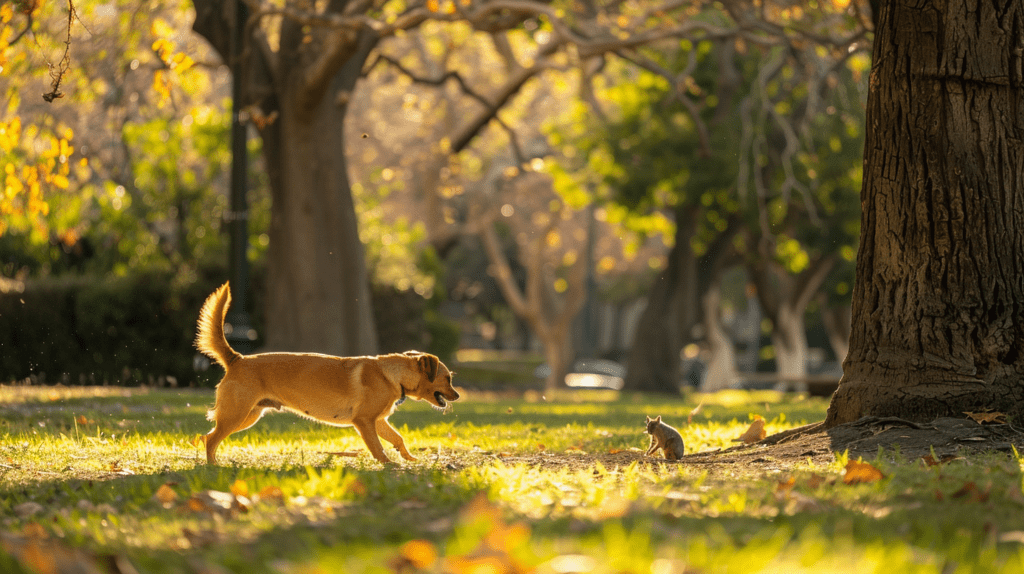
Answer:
[(543, 484)]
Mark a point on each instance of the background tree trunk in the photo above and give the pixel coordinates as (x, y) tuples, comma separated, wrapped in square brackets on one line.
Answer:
[(666, 322), (938, 305), (784, 299), (836, 319), (721, 373)]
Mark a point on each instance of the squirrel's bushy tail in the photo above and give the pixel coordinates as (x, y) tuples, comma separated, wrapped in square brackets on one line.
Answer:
[(210, 339)]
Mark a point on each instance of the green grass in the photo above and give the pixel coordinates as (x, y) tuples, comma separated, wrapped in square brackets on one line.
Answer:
[(501, 485)]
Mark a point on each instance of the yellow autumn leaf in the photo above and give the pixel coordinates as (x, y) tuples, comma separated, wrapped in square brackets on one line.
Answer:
[(857, 472), (754, 433), (421, 554), (240, 488), (165, 495)]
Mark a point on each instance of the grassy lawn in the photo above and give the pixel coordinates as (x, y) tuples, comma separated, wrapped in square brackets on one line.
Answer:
[(109, 480)]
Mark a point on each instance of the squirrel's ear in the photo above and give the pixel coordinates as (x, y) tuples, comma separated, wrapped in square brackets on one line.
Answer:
[(648, 418), (658, 419)]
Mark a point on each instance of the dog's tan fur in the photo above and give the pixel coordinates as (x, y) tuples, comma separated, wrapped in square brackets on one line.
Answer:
[(342, 391)]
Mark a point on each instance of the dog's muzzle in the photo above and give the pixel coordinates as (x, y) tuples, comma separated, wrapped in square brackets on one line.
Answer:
[(442, 401)]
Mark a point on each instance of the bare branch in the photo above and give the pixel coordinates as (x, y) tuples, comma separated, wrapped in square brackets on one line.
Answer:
[(57, 72), (502, 270), (678, 91)]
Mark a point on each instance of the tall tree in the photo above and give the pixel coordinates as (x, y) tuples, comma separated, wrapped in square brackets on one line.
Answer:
[(298, 75), (300, 64), (938, 304)]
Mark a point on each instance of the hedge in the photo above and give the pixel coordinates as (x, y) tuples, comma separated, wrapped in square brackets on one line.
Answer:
[(139, 329)]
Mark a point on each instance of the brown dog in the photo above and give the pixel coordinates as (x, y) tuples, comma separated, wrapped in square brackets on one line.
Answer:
[(342, 391)]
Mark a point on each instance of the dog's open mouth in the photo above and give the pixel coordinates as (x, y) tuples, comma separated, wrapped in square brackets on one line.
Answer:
[(442, 403)]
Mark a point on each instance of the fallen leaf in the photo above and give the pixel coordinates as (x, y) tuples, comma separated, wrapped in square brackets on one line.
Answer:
[(198, 440), (271, 493), (419, 554), (217, 502), (165, 495), (815, 480), (80, 419), (858, 472), (786, 485), (540, 446), (754, 433), (357, 488), (240, 488), (929, 460), (971, 492), (47, 556), (987, 417)]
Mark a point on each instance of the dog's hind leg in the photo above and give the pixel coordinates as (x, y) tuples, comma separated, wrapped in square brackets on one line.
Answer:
[(368, 432), (231, 414), (388, 433)]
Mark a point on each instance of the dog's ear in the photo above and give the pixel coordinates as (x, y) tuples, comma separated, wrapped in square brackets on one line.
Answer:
[(429, 364)]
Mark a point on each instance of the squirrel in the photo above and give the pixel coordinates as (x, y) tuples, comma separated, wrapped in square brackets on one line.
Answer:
[(664, 437)]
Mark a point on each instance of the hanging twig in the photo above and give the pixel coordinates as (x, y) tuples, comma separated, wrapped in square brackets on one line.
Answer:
[(57, 72)]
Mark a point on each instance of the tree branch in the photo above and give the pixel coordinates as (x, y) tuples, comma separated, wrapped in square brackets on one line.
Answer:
[(503, 271), (678, 91)]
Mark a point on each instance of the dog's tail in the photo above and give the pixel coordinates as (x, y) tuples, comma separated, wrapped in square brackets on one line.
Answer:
[(210, 339)]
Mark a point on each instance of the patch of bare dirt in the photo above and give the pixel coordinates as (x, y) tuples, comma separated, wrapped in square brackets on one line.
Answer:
[(863, 438)]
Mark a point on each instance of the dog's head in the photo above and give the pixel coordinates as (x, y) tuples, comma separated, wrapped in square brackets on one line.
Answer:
[(435, 384)]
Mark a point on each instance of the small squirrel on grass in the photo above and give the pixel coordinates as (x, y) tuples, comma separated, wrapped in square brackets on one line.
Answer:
[(664, 437)]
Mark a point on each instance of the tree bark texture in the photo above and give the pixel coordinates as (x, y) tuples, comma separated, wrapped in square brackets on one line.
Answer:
[(938, 305), (318, 287), (317, 282)]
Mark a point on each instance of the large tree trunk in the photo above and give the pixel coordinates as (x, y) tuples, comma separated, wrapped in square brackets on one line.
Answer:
[(938, 306), (670, 315), (318, 295), (318, 291)]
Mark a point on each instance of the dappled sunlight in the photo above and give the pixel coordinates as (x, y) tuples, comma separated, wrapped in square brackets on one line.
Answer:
[(566, 481)]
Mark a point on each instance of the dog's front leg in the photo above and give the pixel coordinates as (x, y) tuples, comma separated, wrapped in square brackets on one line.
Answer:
[(388, 433), (368, 431)]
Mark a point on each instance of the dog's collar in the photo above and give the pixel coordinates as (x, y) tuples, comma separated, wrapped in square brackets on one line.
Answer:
[(401, 400)]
